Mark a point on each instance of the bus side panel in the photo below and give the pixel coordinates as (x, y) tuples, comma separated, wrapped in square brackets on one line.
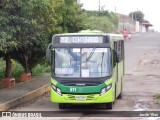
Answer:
[(119, 77)]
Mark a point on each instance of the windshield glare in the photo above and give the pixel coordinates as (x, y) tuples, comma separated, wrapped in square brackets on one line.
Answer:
[(82, 62)]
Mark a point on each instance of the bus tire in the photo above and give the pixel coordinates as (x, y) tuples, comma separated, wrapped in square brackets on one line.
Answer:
[(109, 105), (120, 95), (62, 105)]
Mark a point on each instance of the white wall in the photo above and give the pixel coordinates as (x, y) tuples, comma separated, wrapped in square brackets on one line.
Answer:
[(137, 26), (142, 28)]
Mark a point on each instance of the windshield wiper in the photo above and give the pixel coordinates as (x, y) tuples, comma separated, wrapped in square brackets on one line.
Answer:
[(91, 54), (102, 62)]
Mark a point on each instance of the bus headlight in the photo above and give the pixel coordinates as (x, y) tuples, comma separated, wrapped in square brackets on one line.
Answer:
[(57, 90), (105, 89), (54, 88)]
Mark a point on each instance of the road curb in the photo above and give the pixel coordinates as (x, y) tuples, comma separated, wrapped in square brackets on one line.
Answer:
[(25, 98)]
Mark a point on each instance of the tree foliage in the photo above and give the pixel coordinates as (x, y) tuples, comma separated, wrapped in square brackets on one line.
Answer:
[(69, 16), (7, 39), (137, 15), (34, 34)]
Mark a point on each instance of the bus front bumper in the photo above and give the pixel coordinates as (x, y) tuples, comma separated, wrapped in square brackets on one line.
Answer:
[(82, 99)]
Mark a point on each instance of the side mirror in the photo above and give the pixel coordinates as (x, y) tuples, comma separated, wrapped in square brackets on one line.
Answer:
[(48, 52)]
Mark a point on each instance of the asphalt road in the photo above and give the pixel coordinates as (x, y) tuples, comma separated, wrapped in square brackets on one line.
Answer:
[(142, 82)]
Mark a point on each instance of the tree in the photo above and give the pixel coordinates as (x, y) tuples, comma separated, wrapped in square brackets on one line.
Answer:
[(26, 25), (137, 15), (7, 39), (6, 50), (34, 34)]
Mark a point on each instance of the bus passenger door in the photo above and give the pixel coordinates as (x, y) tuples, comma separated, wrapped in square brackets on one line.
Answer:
[(118, 67)]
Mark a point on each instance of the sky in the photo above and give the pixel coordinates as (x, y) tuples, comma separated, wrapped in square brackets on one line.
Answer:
[(150, 8)]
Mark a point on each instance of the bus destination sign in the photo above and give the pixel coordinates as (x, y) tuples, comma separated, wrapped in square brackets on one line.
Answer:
[(81, 39)]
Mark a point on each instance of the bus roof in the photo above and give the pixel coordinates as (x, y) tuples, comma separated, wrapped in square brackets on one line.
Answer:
[(65, 34), (94, 32), (86, 32), (115, 36)]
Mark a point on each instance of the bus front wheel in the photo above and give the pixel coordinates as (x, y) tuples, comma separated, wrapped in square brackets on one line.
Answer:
[(62, 105)]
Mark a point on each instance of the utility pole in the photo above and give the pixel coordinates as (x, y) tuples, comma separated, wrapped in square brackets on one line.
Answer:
[(78, 2), (132, 16), (136, 15), (115, 9), (99, 5)]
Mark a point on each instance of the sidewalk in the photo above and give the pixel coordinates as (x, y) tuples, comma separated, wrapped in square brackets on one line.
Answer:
[(24, 92)]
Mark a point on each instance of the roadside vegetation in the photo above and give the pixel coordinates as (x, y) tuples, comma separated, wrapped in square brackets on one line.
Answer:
[(158, 98), (27, 27), (16, 70), (105, 21), (2, 69), (40, 69)]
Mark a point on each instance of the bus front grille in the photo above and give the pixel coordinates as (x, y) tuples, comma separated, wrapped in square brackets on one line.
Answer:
[(88, 97)]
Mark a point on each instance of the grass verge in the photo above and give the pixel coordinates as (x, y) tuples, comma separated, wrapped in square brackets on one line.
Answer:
[(157, 96), (40, 69)]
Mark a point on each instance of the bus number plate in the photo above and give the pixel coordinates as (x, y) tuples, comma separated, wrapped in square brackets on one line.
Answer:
[(80, 97)]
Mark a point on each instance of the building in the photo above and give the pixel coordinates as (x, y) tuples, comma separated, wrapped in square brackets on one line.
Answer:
[(131, 25), (126, 23)]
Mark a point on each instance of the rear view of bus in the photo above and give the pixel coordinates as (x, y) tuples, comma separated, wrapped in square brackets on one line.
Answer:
[(84, 69)]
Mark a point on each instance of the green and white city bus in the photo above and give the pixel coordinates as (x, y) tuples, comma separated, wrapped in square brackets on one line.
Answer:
[(86, 68)]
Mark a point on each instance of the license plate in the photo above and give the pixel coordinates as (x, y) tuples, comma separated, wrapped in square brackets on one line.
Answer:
[(80, 97)]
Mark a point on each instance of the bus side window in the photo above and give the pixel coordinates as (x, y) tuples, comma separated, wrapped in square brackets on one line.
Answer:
[(116, 56), (119, 49), (122, 50)]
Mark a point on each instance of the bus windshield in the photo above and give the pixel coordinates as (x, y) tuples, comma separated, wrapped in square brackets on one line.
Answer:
[(82, 62)]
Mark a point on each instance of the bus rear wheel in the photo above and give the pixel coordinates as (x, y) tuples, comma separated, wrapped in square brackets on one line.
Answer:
[(120, 96), (62, 105), (109, 105)]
